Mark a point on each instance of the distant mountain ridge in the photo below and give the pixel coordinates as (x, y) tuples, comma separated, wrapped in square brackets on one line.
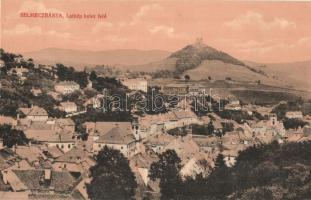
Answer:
[(81, 58), (198, 60)]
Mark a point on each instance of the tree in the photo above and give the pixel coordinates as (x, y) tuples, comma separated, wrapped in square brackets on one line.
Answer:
[(93, 76), (69, 74), (227, 127), (220, 161), (12, 137), (167, 171), (294, 123), (187, 77), (210, 127), (112, 176)]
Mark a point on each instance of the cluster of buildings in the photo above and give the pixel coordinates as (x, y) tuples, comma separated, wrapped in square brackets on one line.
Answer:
[(56, 162)]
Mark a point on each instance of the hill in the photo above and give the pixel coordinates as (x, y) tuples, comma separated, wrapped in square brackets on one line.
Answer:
[(295, 74), (81, 58), (192, 56)]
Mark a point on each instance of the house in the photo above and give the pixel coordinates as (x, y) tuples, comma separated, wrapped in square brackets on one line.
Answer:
[(135, 84), (175, 89), (8, 158), (36, 91), (46, 183), (192, 159), (32, 154), (68, 107), (158, 142), (233, 105), (7, 120), (271, 127), (66, 87), (140, 165), (64, 141), (75, 160), (196, 90), (207, 144), (117, 136), (184, 89), (152, 124), (35, 113), (185, 117), (52, 152), (39, 131), (65, 124), (264, 110), (294, 115)]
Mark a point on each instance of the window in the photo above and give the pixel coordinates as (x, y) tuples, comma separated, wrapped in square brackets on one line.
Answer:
[(69, 146), (62, 146)]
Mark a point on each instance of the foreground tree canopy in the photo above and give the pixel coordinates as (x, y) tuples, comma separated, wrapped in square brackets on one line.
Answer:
[(112, 177), (269, 171)]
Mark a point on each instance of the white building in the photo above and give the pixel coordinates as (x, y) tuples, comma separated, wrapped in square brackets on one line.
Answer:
[(233, 105), (294, 115), (117, 139), (68, 107), (2, 63), (116, 135), (66, 87), (151, 124), (135, 83), (63, 141)]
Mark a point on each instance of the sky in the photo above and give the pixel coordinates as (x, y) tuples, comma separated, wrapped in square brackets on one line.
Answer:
[(258, 31)]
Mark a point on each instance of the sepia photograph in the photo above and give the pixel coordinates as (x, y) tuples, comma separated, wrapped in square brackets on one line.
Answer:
[(155, 100)]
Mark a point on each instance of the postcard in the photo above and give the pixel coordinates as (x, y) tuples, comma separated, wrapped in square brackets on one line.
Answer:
[(178, 99)]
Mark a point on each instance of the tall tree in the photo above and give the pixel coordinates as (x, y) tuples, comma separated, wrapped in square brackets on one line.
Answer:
[(210, 127), (12, 137), (220, 161), (167, 171), (187, 78), (112, 177), (93, 76)]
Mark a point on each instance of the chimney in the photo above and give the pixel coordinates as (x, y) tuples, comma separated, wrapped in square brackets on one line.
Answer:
[(14, 148), (47, 175)]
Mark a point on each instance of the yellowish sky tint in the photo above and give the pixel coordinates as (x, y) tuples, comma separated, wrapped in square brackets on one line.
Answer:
[(257, 31)]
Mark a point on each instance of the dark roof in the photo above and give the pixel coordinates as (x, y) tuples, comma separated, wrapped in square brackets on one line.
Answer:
[(117, 135), (75, 155), (61, 181), (8, 158), (34, 111), (62, 137), (102, 128)]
